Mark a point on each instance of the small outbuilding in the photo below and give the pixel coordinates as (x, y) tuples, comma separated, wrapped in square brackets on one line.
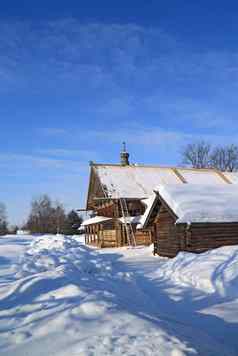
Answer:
[(194, 218)]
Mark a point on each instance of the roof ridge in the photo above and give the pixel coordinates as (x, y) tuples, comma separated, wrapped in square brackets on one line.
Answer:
[(155, 166)]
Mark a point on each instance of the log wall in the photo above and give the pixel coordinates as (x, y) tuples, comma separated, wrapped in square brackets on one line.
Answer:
[(199, 237), (106, 210), (202, 237), (166, 239), (143, 237), (103, 235), (108, 236), (113, 208)]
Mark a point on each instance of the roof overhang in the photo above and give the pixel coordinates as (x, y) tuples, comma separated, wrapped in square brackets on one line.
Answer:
[(96, 220)]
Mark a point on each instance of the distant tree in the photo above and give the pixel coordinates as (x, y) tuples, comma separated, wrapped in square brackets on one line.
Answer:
[(40, 215), (46, 216), (225, 158), (197, 154), (3, 220), (73, 222), (59, 217)]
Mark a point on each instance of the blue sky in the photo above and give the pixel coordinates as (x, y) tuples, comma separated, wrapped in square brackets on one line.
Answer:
[(77, 78)]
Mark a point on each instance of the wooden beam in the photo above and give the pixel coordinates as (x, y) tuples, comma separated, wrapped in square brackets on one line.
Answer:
[(223, 176), (179, 175)]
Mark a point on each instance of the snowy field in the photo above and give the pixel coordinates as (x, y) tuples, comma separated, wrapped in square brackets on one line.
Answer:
[(59, 297)]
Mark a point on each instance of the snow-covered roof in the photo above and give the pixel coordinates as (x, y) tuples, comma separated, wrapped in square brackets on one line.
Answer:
[(149, 202), (100, 219), (139, 181), (95, 220), (130, 219), (201, 203), (201, 176), (133, 181)]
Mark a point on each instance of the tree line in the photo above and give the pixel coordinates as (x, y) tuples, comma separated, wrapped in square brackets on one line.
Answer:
[(45, 216), (203, 155)]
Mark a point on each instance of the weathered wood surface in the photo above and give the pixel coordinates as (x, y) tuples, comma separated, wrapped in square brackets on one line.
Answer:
[(207, 236), (109, 238), (143, 237), (199, 237), (166, 239), (112, 234), (111, 208)]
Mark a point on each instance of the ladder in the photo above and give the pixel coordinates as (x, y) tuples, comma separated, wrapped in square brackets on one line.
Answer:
[(127, 223)]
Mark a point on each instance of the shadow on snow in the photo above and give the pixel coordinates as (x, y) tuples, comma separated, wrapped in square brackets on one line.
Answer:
[(149, 299)]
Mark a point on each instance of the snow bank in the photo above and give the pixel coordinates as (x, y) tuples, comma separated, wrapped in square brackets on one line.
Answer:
[(215, 271), (58, 253)]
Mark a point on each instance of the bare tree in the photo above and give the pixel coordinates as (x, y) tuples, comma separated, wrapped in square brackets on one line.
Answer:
[(39, 218), (225, 158), (197, 154), (45, 216), (3, 220), (201, 155)]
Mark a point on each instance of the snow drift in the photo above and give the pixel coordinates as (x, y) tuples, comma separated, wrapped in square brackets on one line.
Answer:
[(215, 271)]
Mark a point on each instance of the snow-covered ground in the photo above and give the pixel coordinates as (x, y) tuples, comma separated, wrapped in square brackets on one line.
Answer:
[(60, 297)]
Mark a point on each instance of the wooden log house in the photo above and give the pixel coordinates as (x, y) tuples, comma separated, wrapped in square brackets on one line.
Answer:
[(195, 218), (109, 184)]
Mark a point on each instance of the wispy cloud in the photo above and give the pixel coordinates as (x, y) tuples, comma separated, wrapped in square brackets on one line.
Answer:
[(122, 69), (19, 163), (137, 134), (112, 57)]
